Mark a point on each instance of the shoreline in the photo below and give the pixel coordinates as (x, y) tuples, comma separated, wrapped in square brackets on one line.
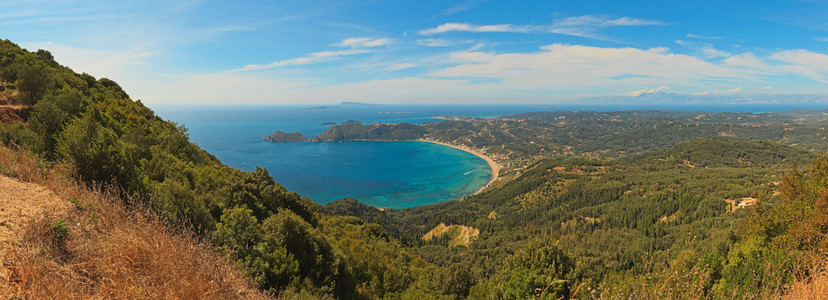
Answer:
[(492, 164)]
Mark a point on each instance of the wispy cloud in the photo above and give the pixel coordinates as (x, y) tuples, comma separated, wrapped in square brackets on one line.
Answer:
[(582, 26), (821, 39), (703, 37), (705, 49), (810, 64), (400, 66), (312, 58), (441, 42), (463, 27), (459, 7), (364, 42), (356, 45)]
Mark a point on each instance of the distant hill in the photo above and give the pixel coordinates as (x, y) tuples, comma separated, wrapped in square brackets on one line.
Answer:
[(668, 98), (721, 152)]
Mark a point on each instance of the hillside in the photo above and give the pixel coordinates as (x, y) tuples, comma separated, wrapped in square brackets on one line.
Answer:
[(62, 240), (602, 217), (91, 129)]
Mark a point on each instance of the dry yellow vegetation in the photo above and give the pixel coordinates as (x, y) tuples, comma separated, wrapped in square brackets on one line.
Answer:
[(72, 242), (459, 235)]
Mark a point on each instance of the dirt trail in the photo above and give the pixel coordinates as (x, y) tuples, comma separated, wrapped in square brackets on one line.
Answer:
[(19, 204)]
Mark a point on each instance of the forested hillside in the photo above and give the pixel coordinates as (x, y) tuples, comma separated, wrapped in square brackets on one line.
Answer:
[(620, 227)]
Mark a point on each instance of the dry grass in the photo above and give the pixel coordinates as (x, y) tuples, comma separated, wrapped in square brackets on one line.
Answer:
[(812, 284), (112, 251)]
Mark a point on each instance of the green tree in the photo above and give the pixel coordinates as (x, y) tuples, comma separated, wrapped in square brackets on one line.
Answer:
[(95, 153), (47, 121), (32, 82)]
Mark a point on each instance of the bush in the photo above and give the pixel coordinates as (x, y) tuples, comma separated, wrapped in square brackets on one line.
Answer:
[(60, 232), (95, 153), (32, 82)]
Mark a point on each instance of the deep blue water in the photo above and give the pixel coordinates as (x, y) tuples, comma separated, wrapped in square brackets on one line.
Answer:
[(382, 174)]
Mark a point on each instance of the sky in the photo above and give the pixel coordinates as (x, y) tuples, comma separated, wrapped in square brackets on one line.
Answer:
[(426, 52)]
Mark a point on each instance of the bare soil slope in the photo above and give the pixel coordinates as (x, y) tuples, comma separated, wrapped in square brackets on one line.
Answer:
[(21, 203)]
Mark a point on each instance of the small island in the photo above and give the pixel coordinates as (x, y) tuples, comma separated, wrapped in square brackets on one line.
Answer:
[(281, 136)]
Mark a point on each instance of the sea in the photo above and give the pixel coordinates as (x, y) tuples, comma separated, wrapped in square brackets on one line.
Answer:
[(382, 174)]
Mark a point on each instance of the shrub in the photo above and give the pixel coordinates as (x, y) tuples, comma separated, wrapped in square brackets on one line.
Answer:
[(60, 232)]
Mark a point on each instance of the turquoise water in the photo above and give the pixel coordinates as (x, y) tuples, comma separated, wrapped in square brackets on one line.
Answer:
[(382, 174)]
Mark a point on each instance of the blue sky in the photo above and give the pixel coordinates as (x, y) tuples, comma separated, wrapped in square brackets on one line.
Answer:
[(466, 51)]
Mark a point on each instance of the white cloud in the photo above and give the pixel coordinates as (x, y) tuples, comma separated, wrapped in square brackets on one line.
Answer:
[(459, 7), (356, 45), (363, 42), (747, 60), (569, 67), (441, 42), (705, 49), (810, 64), (312, 58), (821, 39), (603, 21), (703, 37), (472, 56), (400, 66), (765, 88), (449, 27), (644, 91), (583, 26)]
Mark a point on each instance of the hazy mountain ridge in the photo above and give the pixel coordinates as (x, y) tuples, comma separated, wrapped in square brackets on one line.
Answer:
[(731, 98)]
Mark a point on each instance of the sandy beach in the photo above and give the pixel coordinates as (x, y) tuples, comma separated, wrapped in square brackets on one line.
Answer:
[(492, 164)]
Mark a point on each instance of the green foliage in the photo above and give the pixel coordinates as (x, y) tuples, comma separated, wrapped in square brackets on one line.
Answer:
[(95, 153), (47, 122), (320, 262), (32, 81), (60, 232), (540, 268)]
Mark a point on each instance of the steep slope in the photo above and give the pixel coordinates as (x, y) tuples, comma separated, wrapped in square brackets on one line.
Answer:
[(92, 246), (22, 203)]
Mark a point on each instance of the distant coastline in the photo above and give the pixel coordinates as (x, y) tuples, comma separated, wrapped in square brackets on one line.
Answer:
[(492, 164)]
